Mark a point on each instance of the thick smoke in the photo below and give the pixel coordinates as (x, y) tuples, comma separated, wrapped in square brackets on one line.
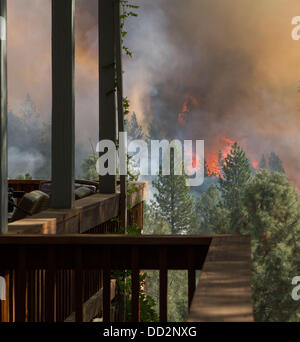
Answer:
[(233, 61), (29, 72)]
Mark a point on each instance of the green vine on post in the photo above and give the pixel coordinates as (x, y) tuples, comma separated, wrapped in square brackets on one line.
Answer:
[(123, 278)]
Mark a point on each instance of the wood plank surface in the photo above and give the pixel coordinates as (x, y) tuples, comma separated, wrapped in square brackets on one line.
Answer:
[(224, 293)]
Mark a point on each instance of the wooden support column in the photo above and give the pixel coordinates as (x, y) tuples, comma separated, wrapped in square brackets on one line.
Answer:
[(121, 125), (107, 84), (63, 104), (3, 119)]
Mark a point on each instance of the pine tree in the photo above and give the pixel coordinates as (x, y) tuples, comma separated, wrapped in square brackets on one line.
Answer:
[(155, 131), (267, 208), (89, 167), (273, 208), (154, 223), (263, 163), (135, 131), (275, 164), (207, 205), (174, 200), (236, 173)]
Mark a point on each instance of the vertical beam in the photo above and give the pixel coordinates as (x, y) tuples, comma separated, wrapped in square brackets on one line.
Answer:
[(191, 275), (79, 287), (106, 257), (63, 104), (121, 128), (135, 285), (163, 285), (21, 287), (3, 119), (51, 285), (107, 83)]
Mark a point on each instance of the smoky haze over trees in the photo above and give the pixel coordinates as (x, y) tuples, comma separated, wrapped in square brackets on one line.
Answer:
[(208, 50), (205, 52), (29, 144)]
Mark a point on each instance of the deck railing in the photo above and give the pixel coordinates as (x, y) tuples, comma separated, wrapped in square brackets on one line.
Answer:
[(26, 259)]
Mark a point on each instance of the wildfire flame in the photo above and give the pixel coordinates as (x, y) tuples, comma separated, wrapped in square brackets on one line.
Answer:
[(214, 159), (193, 162), (187, 106), (217, 155), (182, 116), (255, 164), (217, 152)]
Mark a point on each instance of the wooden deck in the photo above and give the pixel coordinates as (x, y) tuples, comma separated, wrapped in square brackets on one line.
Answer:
[(87, 213), (224, 292)]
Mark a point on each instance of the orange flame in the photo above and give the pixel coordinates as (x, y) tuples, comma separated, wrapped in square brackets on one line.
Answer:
[(215, 158), (190, 102), (182, 116), (255, 164)]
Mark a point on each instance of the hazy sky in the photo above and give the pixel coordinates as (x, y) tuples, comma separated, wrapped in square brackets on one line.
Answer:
[(235, 58)]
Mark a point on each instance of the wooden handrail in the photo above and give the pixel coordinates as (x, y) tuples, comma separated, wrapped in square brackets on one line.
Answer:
[(113, 239), (82, 253)]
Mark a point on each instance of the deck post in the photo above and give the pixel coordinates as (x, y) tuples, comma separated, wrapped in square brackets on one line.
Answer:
[(121, 124), (107, 85), (3, 119), (63, 104)]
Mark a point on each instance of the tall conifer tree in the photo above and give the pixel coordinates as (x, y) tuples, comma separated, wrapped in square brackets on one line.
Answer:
[(174, 200)]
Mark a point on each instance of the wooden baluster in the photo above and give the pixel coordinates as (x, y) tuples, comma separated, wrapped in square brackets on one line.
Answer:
[(35, 294), (163, 285), (43, 296), (31, 297), (191, 275), (11, 296), (38, 285), (62, 298), (21, 286), (51, 286), (41, 284), (4, 305), (68, 296), (58, 297), (106, 284), (135, 291), (79, 287)]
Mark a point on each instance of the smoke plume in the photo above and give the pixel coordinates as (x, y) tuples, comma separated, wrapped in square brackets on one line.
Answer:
[(225, 69)]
